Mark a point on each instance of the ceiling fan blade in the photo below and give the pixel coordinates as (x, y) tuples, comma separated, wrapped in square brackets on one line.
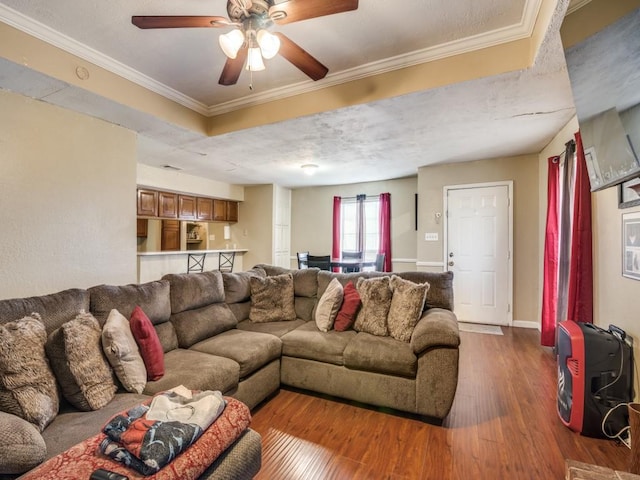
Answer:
[(295, 10), (233, 68), (301, 58), (179, 21)]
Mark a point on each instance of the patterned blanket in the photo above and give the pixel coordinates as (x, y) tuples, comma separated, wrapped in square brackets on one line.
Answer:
[(82, 459)]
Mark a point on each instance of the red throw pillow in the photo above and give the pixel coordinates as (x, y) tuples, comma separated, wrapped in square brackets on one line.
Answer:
[(350, 305), (150, 347)]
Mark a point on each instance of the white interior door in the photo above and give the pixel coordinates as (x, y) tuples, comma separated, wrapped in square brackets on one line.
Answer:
[(478, 252)]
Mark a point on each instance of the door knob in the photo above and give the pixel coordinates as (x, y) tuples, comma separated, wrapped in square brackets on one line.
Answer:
[(451, 263)]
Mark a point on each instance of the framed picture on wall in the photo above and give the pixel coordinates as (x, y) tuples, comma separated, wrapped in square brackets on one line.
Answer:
[(629, 193), (631, 245)]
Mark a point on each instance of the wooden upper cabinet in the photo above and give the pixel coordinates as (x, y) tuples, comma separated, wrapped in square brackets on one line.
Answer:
[(147, 203), (219, 210), (187, 207), (167, 205), (204, 207), (232, 211)]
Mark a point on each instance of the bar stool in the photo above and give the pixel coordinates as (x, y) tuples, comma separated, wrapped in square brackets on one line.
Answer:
[(225, 261), (195, 262)]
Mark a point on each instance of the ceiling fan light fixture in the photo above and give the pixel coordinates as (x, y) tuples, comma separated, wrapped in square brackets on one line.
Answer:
[(269, 43), (231, 42), (254, 60)]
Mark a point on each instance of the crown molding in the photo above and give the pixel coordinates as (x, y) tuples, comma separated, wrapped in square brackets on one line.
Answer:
[(515, 32), (576, 5), (47, 34)]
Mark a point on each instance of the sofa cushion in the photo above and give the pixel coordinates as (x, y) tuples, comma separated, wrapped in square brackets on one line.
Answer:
[(21, 445), (440, 294), (193, 326), (153, 297), (77, 359), (272, 299), (305, 282), (72, 426), (189, 291), (273, 328), (211, 372), (27, 384), (406, 308), (122, 352), (324, 278), (237, 287), (54, 309), (148, 342), (375, 294), (307, 341), (350, 305), (329, 305), (386, 355), (251, 350)]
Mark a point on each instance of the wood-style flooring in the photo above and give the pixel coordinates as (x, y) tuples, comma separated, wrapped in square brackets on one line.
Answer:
[(503, 425)]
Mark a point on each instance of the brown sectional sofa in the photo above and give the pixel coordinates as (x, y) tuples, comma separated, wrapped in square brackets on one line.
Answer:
[(209, 342)]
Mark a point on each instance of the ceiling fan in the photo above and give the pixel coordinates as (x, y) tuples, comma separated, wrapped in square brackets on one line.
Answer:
[(250, 41)]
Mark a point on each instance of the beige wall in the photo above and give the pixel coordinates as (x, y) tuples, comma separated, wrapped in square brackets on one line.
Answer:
[(254, 229), (67, 199), (523, 171), (312, 214)]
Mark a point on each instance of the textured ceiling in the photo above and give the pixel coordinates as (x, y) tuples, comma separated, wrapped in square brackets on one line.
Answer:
[(509, 114)]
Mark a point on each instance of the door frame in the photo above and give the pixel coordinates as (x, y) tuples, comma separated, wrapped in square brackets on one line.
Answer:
[(445, 242)]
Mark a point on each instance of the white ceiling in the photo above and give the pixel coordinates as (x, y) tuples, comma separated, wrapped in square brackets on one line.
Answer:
[(505, 115)]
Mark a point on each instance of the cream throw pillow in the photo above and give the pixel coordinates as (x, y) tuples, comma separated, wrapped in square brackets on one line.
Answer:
[(122, 352), (407, 304), (329, 305)]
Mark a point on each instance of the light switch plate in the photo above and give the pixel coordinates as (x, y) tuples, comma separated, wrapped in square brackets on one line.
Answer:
[(212, 237), (431, 237)]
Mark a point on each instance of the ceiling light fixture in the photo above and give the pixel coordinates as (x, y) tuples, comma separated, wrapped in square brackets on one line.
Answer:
[(309, 168), (261, 44)]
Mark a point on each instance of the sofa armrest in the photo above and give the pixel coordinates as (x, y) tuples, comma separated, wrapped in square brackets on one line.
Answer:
[(21, 445), (437, 327)]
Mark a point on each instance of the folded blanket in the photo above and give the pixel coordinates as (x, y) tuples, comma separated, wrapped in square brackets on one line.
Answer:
[(148, 444)]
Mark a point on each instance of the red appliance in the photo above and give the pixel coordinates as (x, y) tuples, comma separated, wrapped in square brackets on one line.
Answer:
[(595, 374)]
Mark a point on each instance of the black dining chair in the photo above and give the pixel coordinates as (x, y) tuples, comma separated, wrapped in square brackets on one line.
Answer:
[(351, 255), (195, 262), (323, 262), (303, 258)]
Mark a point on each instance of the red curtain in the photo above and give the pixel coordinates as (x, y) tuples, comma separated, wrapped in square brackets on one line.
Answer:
[(550, 285), (385, 230), (335, 250), (580, 305)]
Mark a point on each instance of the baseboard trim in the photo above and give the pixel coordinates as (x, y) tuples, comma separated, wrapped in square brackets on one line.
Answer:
[(525, 324)]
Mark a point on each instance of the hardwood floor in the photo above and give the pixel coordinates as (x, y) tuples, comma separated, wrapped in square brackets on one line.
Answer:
[(503, 424)]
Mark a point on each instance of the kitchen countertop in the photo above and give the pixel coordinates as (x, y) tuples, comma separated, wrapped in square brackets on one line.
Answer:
[(185, 252)]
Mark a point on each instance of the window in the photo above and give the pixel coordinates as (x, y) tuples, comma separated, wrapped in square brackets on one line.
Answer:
[(360, 219)]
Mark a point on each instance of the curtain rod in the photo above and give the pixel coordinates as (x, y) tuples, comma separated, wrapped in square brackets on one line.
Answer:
[(356, 197)]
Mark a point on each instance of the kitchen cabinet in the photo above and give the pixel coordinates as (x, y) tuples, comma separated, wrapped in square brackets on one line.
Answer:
[(204, 208), (187, 207), (170, 235), (219, 210), (142, 227), (167, 205), (147, 203), (232, 211)]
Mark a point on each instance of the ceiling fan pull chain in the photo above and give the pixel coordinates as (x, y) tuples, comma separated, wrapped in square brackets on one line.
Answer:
[(251, 80)]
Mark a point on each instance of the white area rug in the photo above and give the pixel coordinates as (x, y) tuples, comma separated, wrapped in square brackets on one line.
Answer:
[(478, 328)]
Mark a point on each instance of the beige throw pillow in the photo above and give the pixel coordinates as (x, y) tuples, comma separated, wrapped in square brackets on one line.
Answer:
[(375, 294), (406, 307), (329, 305), (272, 299), (79, 364), (27, 385), (122, 352)]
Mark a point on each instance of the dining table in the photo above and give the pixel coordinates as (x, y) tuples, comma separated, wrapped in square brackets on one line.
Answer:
[(352, 263)]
